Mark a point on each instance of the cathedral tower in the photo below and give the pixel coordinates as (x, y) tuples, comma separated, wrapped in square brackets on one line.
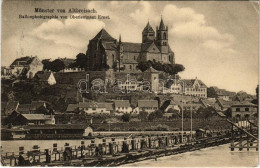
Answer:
[(148, 34), (162, 37)]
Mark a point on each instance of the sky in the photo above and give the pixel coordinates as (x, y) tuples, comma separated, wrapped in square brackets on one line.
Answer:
[(217, 42)]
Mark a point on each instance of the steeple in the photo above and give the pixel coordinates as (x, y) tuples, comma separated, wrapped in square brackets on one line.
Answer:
[(161, 27), (148, 33), (120, 39)]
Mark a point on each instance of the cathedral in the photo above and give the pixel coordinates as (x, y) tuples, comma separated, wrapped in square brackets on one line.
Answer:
[(105, 52)]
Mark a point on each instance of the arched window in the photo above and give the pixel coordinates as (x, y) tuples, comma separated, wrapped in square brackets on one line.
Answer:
[(238, 116), (246, 109), (164, 35), (247, 116), (113, 57), (130, 67)]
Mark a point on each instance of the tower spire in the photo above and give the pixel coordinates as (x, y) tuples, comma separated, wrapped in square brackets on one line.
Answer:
[(162, 27), (120, 38)]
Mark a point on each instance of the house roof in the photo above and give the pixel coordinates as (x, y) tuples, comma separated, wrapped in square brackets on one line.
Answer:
[(109, 45), (72, 107), (221, 114), (147, 103), (190, 82), (103, 34), (226, 104), (210, 102), (24, 108), (8, 107), (122, 103), (43, 75), (108, 106), (67, 61), (36, 104), (36, 116), (23, 61), (58, 126), (242, 104)]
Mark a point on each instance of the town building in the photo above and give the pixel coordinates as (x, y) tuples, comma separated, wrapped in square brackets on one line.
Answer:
[(31, 108), (8, 107), (26, 66), (34, 119), (192, 87), (6, 73), (244, 110), (45, 77), (122, 106), (105, 52), (96, 107), (148, 106), (59, 131), (224, 105)]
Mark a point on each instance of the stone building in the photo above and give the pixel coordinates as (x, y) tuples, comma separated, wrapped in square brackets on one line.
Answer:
[(105, 52), (26, 66)]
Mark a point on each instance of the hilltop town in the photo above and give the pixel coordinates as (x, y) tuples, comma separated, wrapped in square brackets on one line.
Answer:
[(151, 95)]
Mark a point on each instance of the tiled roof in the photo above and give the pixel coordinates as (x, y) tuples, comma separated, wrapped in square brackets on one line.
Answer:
[(24, 108), (36, 116), (67, 61), (72, 107), (103, 34), (132, 47), (122, 103), (147, 103), (108, 106), (58, 126), (23, 61), (243, 103), (36, 104), (190, 82), (226, 104), (43, 75), (221, 114)]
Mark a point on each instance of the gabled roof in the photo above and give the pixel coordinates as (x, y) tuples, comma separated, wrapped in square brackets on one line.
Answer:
[(243, 103), (58, 126), (103, 34), (36, 116), (226, 104), (108, 106), (67, 61), (72, 107), (24, 108), (122, 103), (148, 47), (148, 28), (147, 103), (23, 61), (190, 82), (36, 104), (43, 75)]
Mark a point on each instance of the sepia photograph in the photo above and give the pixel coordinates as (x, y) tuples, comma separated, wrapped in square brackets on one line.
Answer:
[(129, 83)]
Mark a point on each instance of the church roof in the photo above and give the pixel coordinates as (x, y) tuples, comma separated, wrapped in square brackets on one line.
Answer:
[(103, 34), (132, 47), (148, 28), (109, 46), (162, 26)]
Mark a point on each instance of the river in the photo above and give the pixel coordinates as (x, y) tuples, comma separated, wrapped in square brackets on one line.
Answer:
[(219, 156)]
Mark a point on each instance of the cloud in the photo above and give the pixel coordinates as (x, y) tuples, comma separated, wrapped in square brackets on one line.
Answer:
[(74, 33)]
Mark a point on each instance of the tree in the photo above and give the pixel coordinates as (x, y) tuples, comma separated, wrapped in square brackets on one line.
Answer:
[(125, 117), (143, 115), (143, 66), (211, 92), (158, 114), (54, 66), (81, 61)]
